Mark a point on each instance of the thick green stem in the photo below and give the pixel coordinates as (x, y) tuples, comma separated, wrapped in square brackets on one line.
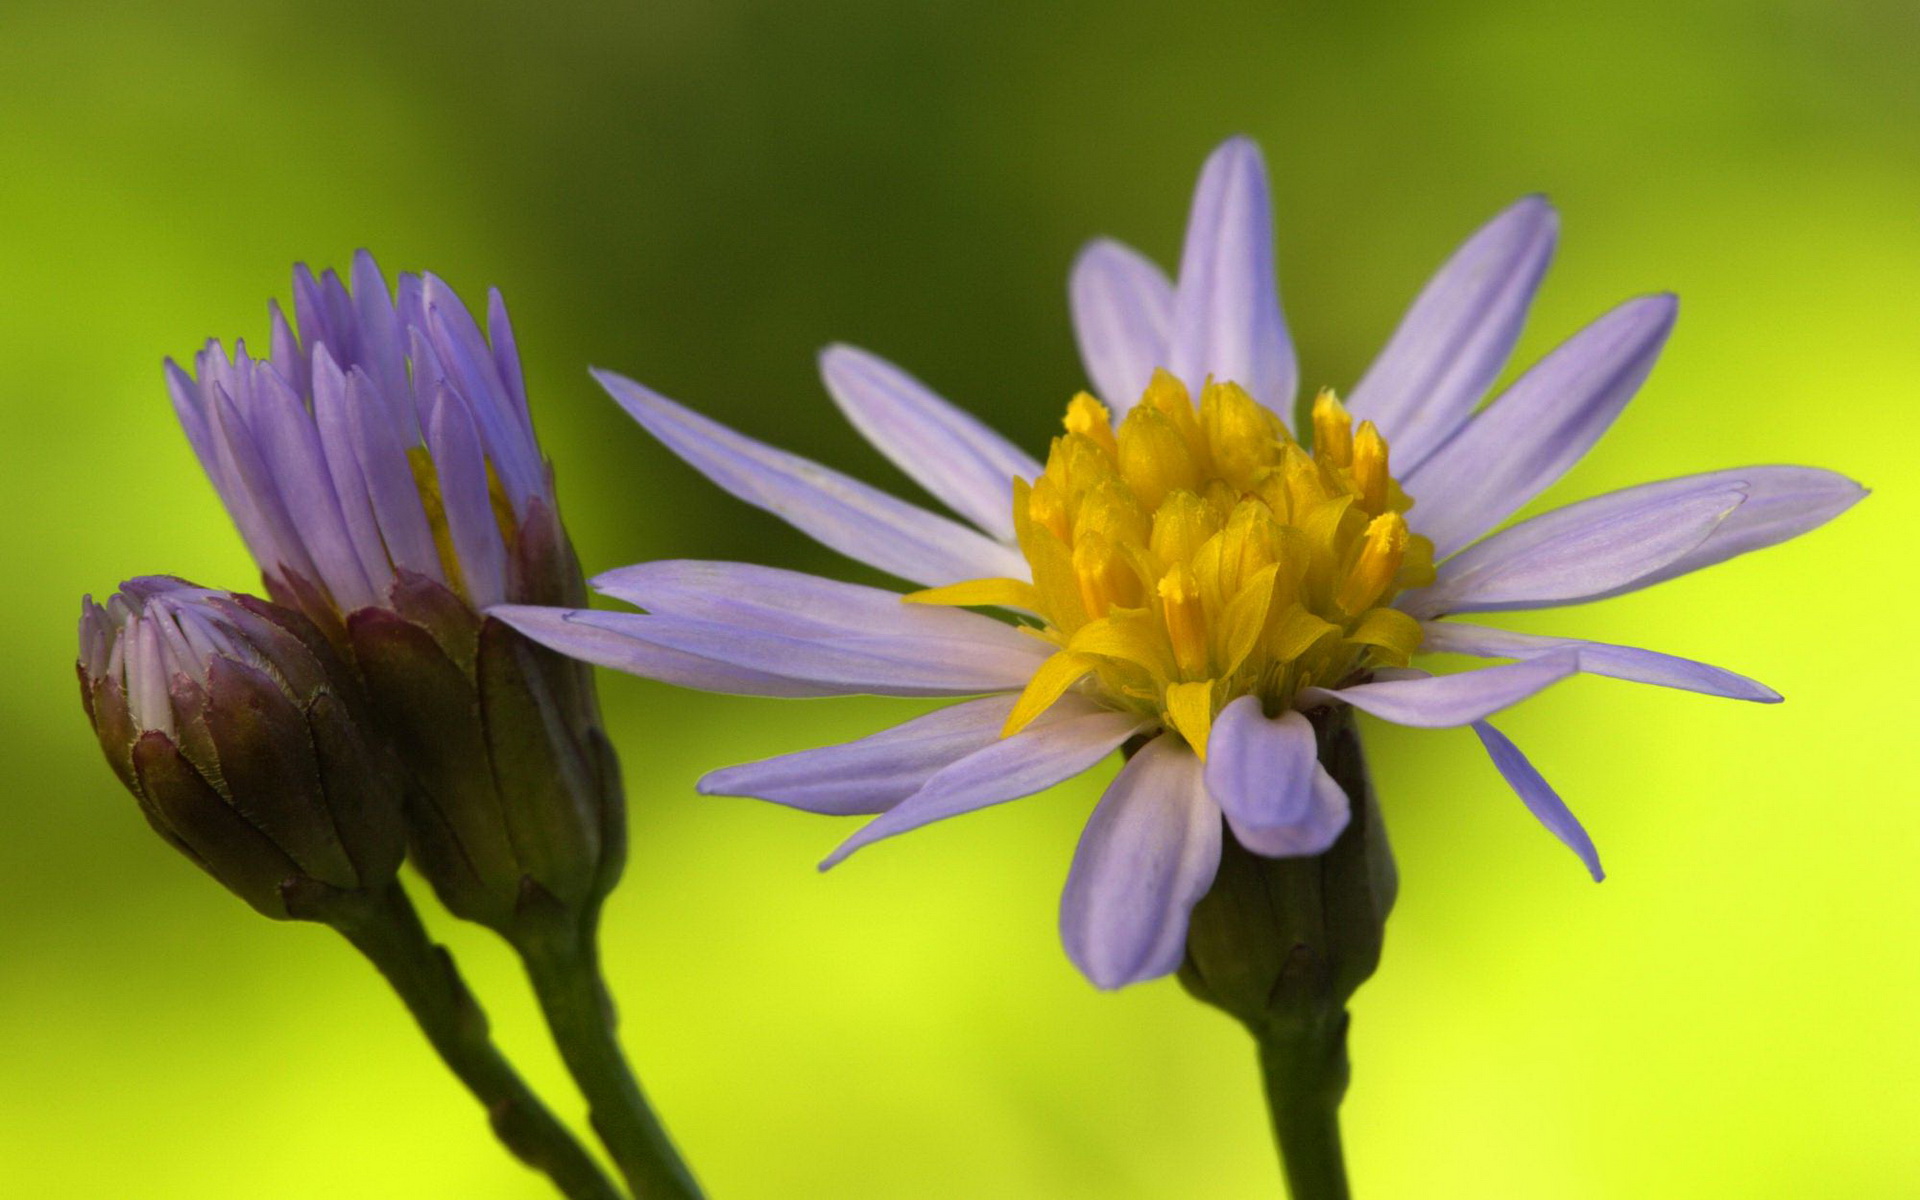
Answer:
[(383, 925), (1305, 1072), (563, 962)]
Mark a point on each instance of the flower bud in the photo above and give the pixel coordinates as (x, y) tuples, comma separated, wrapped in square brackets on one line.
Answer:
[(382, 467), (243, 737), (1284, 942)]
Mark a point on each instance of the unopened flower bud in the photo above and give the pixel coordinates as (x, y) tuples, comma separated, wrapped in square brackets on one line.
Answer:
[(244, 738)]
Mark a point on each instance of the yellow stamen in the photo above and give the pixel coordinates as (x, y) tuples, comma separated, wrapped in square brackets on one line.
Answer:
[(1370, 468), (1089, 418), (1332, 429), (1377, 564), (1186, 620)]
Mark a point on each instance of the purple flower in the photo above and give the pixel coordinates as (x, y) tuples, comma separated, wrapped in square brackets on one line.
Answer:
[(1188, 577)]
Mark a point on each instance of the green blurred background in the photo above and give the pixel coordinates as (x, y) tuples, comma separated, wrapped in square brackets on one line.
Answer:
[(701, 194)]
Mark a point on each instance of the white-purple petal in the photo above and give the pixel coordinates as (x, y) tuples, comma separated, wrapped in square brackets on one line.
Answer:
[(946, 451), (874, 773), (842, 513), (1596, 658), (1579, 552), (1122, 309), (1539, 427), (1226, 323), (1148, 854), (1458, 334), (1030, 761), (1443, 701), (608, 639), (1265, 775), (461, 472), (1539, 797)]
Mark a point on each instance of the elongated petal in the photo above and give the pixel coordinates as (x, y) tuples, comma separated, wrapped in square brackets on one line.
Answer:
[(859, 521), (1266, 777), (795, 604), (1458, 334), (1539, 427), (1539, 797), (1782, 503), (945, 450), (870, 775), (898, 665), (1579, 552), (1226, 322), (1009, 768), (609, 640), (1122, 307), (1148, 854), (1596, 658), (1442, 701), (461, 471)]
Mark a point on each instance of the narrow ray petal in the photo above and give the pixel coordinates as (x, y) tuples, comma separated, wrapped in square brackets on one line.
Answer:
[(1266, 777), (1442, 701), (1122, 307), (1009, 768), (861, 522), (1539, 797), (607, 640), (1579, 552), (1596, 658), (952, 455), (1543, 424), (1227, 323), (1148, 854), (461, 472), (1458, 334)]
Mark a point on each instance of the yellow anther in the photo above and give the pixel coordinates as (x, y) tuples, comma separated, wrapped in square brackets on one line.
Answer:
[(1186, 620), (1090, 419), (1370, 468), (1048, 508), (1332, 429), (1307, 485), (1182, 524), (1243, 437), (1376, 565), (1105, 581), (1155, 457)]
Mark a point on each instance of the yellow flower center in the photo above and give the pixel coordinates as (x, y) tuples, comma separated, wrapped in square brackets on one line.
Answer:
[(1200, 554)]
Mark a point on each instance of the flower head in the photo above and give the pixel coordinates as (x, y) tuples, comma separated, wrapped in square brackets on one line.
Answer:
[(1187, 577), (242, 736), (381, 466)]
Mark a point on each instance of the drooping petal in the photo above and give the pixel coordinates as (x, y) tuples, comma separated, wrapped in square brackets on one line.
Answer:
[(1543, 424), (795, 604), (1576, 553), (1539, 797), (1148, 854), (1030, 761), (1596, 658), (1458, 334), (609, 640), (1226, 323), (872, 774), (859, 521), (1442, 701), (945, 450), (1266, 777), (1122, 307), (1782, 503)]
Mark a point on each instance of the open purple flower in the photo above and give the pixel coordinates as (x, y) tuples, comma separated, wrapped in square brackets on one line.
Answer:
[(1189, 578)]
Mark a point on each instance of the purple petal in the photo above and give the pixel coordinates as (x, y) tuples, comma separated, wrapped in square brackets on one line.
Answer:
[(946, 451), (464, 497), (1539, 427), (859, 521), (1226, 322), (380, 349), (1442, 701), (1782, 503), (1539, 797), (1458, 335), (1579, 552), (469, 362), (793, 604), (606, 639), (1148, 854), (1122, 307), (873, 774), (253, 496), (290, 444), (1266, 777), (1596, 658), (385, 466), (1030, 761)]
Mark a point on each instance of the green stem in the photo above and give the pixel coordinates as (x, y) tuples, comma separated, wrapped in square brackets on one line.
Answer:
[(383, 925), (563, 963), (1304, 1068)]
